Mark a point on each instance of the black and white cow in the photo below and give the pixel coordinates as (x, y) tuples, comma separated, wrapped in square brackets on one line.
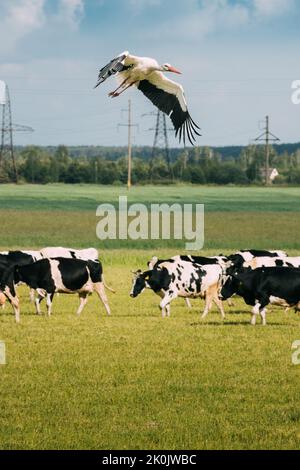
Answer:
[(48, 276), (202, 260), (240, 257), (263, 286), (174, 278)]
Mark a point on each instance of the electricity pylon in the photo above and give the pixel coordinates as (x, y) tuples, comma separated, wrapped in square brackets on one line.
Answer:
[(267, 137), (160, 140), (7, 129)]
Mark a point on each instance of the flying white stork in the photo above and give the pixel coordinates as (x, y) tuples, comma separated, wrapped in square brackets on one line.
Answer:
[(146, 74)]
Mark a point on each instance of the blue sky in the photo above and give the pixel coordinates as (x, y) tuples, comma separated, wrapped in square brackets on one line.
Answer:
[(238, 59)]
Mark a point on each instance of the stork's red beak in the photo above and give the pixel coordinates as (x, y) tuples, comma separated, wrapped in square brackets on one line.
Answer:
[(172, 69)]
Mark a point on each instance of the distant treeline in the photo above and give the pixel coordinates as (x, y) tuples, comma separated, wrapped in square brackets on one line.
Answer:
[(108, 165)]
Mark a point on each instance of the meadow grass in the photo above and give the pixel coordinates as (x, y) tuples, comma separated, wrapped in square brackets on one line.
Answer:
[(35, 215), (135, 380), (61, 197)]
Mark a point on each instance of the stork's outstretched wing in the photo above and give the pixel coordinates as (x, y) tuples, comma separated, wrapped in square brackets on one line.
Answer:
[(168, 96), (114, 66)]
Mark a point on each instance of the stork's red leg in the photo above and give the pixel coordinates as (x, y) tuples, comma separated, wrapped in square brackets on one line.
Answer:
[(124, 89), (122, 84)]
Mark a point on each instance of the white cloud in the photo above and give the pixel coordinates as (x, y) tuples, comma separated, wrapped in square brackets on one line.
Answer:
[(19, 19), (206, 18), (144, 3), (267, 8), (71, 12), (203, 17)]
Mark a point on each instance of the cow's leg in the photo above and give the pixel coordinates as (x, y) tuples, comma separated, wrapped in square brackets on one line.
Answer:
[(168, 308), (165, 311), (264, 300), (164, 304), (16, 307), (49, 302), (208, 303), (218, 301), (263, 316), (31, 295), (188, 302), (15, 303), (39, 298), (255, 312), (219, 304), (14, 300), (83, 296), (99, 288)]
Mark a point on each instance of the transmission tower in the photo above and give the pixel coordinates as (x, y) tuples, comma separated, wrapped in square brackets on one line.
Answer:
[(160, 139), (267, 137), (8, 128)]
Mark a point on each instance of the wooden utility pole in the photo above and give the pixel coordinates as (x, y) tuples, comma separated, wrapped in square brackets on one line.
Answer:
[(267, 137)]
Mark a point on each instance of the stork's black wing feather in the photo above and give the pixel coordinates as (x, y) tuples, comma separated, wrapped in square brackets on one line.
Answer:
[(114, 66), (168, 103)]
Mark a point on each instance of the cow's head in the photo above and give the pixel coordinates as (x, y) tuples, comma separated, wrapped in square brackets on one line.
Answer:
[(230, 285), (139, 282)]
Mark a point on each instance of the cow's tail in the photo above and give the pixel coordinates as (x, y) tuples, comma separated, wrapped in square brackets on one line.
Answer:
[(96, 273), (106, 286)]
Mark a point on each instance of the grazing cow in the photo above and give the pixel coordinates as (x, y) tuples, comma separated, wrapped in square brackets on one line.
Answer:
[(266, 262), (174, 278), (261, 286), (202, 260), (237, 259), (60, 252), (49, 276)]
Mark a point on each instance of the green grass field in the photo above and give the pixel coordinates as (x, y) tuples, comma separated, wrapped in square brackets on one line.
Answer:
[(135, 380), (35, 216)]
